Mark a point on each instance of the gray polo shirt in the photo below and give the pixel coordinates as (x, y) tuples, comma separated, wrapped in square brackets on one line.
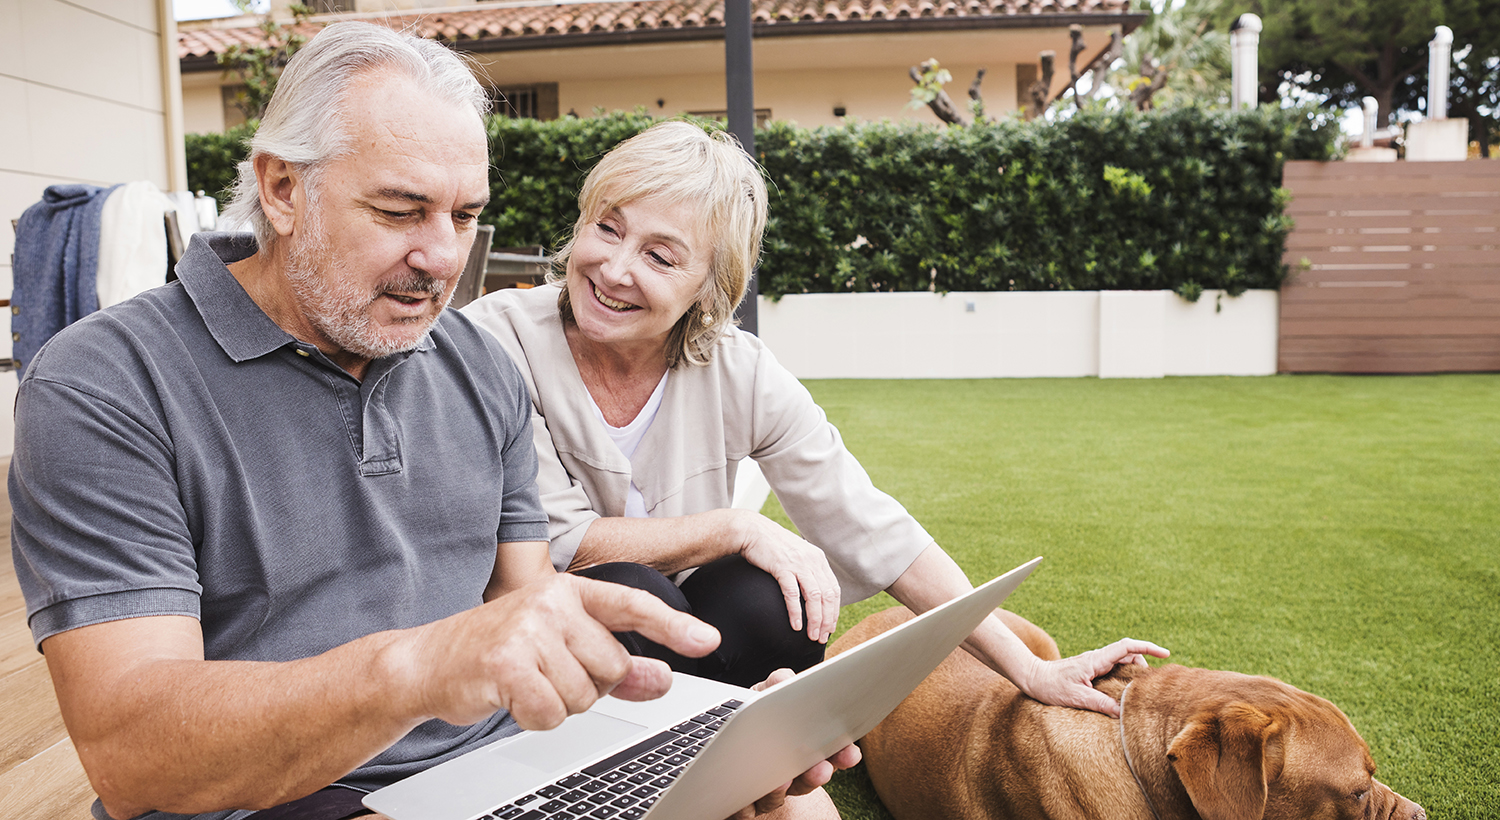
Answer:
[(181, 454)]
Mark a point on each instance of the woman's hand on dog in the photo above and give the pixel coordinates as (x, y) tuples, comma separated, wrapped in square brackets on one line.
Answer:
[(1069, 682)]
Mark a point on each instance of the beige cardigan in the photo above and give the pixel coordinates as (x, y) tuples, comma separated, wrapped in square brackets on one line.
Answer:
[(741, 404)]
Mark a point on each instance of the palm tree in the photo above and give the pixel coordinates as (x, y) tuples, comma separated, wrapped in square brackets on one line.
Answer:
[(1177, 57)]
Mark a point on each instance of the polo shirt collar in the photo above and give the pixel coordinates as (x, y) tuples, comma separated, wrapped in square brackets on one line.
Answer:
[(235, 321)]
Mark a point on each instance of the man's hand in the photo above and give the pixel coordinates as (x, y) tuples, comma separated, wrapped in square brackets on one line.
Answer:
[(805, 783), (159, 727), (545, 651)]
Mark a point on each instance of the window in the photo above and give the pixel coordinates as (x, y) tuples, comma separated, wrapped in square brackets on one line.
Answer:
[(537, 101)]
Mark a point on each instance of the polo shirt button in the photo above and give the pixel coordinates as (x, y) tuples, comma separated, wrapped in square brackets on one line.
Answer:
[(15, 337)]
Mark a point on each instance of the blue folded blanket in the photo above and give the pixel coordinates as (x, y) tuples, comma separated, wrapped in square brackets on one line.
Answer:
[(56, 261)]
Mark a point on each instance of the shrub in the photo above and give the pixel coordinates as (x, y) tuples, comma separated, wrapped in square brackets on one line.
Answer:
[(539, 167), (1183, 199), (212, 160)]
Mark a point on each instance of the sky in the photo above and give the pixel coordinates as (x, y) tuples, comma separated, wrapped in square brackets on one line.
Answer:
[(204, 9)]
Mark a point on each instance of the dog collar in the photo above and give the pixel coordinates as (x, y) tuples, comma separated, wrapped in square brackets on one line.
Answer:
[(1129, 764)]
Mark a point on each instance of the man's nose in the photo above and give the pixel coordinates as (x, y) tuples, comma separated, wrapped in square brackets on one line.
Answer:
[(441, 249)]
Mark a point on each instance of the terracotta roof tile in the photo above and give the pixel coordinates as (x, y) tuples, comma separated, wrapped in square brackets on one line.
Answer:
[(513, 20)]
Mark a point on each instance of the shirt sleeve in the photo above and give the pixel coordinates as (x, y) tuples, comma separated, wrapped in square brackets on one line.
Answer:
[(869, 537), (97, 531), (522, 516)]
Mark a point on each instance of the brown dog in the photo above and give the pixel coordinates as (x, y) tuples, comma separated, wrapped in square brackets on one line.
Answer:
[(1193, 743)]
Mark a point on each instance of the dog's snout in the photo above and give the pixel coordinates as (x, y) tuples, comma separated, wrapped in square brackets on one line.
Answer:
[(1403, 809)]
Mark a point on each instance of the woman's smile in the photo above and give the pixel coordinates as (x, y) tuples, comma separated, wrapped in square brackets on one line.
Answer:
[(613, 304)]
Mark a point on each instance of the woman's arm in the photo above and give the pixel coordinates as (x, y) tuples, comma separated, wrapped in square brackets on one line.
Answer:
[(935, 578)]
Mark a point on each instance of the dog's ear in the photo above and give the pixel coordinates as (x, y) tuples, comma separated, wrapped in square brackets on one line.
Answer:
[(1221, 759)]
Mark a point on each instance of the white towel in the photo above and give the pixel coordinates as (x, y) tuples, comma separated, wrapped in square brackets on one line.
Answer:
[(132, 242)]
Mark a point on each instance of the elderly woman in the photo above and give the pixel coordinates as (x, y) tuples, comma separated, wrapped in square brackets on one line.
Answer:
[(646, 399)]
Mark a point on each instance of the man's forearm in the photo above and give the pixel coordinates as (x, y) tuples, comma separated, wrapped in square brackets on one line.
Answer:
[(158, 727), (188, 735)]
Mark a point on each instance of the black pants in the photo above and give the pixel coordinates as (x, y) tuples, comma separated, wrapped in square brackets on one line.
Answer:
[(739, 599)]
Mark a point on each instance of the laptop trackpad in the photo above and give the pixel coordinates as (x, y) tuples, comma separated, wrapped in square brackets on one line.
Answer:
[(577, 742)]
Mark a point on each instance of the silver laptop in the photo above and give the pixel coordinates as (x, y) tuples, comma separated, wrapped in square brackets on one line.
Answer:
[(703, 751)]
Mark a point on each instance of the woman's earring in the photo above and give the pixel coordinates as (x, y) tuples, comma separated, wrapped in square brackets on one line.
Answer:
[(708, 319)]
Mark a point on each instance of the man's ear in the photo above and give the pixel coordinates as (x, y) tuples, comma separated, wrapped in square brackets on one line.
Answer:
[(279, 183), (1221, 760)]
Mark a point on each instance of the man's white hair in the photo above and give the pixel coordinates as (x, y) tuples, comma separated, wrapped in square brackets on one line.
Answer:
[(306, 121)]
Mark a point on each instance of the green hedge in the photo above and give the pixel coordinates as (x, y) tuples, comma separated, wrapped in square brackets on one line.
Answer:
[(1183, 199), (211, 160)]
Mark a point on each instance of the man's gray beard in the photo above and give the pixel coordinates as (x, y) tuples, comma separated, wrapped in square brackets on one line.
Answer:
[(337, 308)]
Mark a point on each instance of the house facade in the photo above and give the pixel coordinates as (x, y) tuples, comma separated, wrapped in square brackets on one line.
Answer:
[(815, 63), (68, 121)]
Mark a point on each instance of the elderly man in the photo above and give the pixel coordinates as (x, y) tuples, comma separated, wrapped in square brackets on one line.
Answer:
[(271, 519)]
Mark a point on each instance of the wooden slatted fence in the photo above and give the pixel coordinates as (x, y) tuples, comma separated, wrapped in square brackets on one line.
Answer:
[(1395, 268)]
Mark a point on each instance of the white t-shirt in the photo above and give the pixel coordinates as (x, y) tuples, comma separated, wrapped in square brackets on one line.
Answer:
[(628, 438)]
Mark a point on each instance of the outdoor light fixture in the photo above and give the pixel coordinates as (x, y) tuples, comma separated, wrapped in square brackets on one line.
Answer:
[(838, 111)]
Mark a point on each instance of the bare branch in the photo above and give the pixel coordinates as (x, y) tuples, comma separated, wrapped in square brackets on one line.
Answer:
[(976, 104), (940, 103), (1100, 66), (1040, 91), (1075, 33)]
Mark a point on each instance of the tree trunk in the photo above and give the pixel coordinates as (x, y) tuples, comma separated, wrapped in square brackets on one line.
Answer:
[(1040, 91)]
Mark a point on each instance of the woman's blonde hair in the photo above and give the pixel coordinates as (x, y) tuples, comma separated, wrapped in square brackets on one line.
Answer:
[(674, 162)]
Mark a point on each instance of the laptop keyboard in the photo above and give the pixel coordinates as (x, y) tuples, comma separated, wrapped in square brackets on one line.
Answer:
[(624, 785)]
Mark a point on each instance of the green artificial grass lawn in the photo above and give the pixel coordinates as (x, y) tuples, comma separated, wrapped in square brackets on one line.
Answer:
[(1340, 533)]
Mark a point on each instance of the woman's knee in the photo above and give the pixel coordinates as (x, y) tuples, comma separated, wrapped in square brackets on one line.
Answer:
[(638, 576), (746, 605)]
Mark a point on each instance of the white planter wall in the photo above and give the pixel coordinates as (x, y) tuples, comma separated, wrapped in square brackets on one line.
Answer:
[(1221, 335), (1111, 334)]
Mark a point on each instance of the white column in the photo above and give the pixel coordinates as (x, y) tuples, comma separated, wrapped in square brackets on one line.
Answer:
[(1372, 112), (1244, 43), (1439, 60)]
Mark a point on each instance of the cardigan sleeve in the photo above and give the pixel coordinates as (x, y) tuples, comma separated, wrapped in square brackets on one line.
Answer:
[(869, 537)]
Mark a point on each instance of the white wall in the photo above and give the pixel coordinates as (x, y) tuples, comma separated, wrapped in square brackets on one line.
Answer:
[(1112, 334), (87, 97)]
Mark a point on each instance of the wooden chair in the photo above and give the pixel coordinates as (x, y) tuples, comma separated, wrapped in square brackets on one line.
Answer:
[(520, 267), (471, 284)]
